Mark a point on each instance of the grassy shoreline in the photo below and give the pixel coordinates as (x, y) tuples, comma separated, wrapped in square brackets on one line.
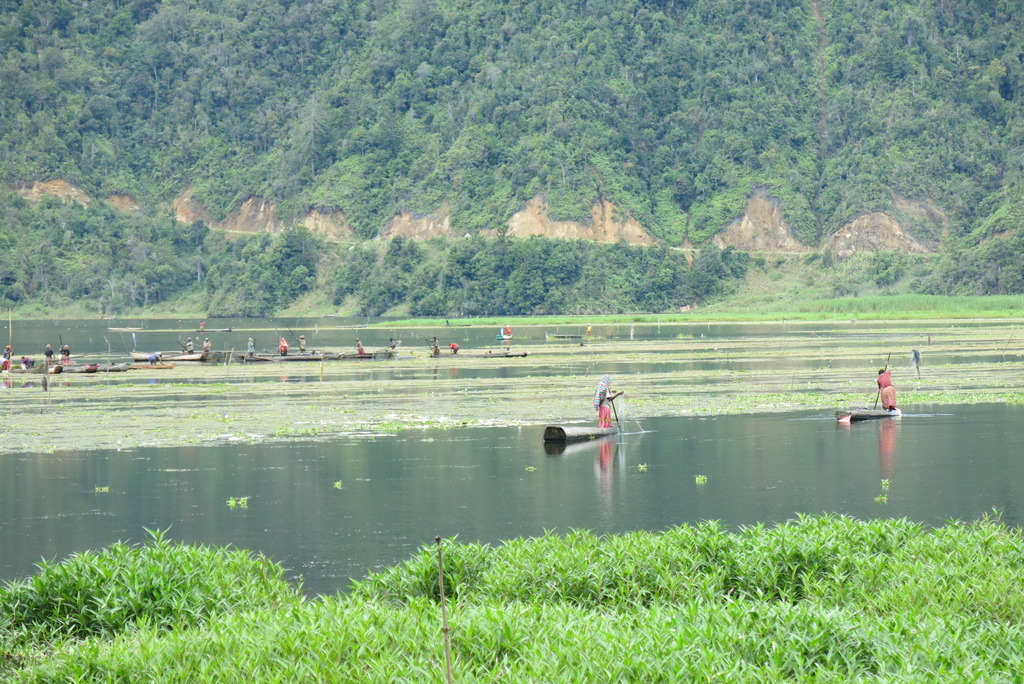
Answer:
[(737, 309), (815, 599)]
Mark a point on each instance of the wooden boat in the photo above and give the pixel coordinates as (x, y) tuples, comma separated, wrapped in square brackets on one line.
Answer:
[(98, 368), (570, 448), (500, 354), (379, 354), (856, 415), (243, 357), (153, 366), (140, 357), (125, 329), (37, 370), (558, 336), (555, 433), (209, 330)]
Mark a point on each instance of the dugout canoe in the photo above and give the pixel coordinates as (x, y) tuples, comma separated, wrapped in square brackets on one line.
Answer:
[(277, 358), (152, 366), (856, 415), (557, 433), (140, 357), (287, 358), (98, 368), (492, 354), (570, 448), (36, 370)]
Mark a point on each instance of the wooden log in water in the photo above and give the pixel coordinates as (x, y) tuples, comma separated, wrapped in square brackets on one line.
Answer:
[(556, 433), (856, 415)]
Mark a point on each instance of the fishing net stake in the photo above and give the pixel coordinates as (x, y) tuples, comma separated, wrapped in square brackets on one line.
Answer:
[(445, 629)]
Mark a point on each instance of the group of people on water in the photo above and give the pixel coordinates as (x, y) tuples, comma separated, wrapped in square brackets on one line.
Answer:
[(435, 347), (604, 396), (282, 345), (30, 362)]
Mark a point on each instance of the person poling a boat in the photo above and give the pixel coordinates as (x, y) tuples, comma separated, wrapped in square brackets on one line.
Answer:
[(886, 391), (603, 398)]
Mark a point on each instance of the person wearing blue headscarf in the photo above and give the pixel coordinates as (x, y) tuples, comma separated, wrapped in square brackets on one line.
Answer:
[(603, 398)]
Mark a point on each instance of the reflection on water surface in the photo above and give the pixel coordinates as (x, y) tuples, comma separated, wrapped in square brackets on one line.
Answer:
[(332, 511)]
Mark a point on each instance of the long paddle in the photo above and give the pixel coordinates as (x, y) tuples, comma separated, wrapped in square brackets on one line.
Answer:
[(879, 392), (616, 412)]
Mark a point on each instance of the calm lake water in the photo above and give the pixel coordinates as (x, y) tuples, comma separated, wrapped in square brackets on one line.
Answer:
[(488, 484)]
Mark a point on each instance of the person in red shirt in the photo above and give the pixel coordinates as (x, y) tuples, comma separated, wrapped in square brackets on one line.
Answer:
[(886, 391), (454, 347), (282, 347)]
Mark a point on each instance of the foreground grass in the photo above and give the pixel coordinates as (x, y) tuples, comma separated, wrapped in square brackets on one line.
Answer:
[(818, 599)]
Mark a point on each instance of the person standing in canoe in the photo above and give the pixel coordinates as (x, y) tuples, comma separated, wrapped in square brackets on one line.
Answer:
[(886, 390), (282, 347), (603, 398), (207, 346), (250, 347), (189, 347), (48, 353), (302, 344)]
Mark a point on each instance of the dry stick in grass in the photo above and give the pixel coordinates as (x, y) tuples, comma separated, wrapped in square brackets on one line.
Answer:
[(444, 612)]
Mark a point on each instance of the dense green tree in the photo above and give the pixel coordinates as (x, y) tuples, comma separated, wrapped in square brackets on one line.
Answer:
[(674, 112)]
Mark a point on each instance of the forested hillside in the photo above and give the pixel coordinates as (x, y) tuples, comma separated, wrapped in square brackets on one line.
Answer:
[(676, 112)]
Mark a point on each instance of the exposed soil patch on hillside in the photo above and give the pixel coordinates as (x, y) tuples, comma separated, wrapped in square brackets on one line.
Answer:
[(762, 229), (873, 232), (55, 188)]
